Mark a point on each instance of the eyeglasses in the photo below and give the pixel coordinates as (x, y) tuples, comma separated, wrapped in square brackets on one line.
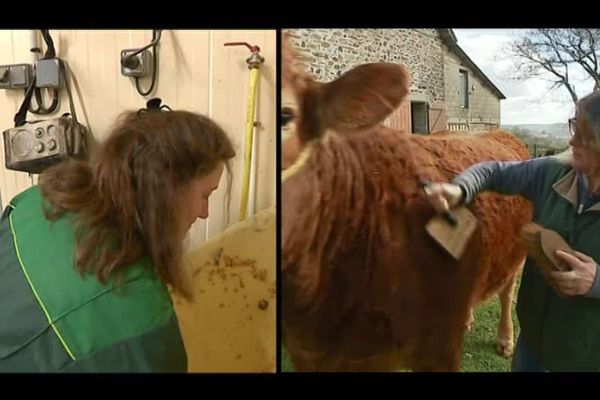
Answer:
[(572, 128)]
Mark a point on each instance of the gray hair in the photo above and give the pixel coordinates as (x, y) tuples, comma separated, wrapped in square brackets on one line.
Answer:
[(589, 106)]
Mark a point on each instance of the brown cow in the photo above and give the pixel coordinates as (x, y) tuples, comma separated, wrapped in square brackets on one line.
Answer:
[(363, 286)]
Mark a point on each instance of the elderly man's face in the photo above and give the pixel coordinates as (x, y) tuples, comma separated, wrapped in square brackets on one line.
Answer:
[(586, 154)]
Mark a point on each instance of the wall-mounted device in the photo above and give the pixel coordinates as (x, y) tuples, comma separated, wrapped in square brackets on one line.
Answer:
[(134, 63), (137, 63), (15, 76), (47, 74), (33, 146), (37, 145)]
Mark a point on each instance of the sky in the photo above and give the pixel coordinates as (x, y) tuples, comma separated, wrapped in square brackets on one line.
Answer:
[(527, 102)]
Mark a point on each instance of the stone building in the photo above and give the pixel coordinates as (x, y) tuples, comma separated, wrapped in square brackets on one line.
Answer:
[(448, 90)]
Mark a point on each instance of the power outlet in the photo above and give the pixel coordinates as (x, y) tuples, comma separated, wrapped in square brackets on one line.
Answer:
[(137, 65), (20, 76), (16, 76)]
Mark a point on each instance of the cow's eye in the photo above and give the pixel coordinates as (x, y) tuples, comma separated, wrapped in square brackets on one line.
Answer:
[(287, 115)]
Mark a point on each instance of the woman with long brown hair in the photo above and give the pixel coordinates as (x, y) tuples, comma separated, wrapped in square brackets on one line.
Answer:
[(86, 255)]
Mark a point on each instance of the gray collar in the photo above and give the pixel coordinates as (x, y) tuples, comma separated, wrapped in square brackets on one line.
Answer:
[(566, 187)]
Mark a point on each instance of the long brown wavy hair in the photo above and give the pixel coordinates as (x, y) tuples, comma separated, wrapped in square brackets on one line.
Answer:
[(126, 201)]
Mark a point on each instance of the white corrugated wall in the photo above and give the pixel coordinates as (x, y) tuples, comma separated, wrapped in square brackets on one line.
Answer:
[(196, 72)]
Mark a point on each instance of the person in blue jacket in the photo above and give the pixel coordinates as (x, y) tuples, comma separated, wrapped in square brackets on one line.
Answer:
[(559, 319)]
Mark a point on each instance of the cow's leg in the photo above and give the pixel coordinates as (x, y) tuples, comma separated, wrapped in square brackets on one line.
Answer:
[(505, 339), (470, 320)]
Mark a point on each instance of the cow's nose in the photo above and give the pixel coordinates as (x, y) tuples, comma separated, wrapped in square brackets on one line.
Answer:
[(287, 115)]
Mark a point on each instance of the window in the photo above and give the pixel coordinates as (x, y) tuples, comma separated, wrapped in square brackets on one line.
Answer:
[(463, 89), (419, 116)]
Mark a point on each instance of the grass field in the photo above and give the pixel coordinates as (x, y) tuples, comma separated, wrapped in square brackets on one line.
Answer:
[(479, 353)]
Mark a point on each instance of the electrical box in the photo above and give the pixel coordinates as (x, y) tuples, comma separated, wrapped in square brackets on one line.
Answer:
[(137, 65), (35, 146), (16, 76), (47, 74)]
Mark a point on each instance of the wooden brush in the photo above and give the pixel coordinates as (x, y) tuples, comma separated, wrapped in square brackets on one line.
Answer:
[(541, 244)]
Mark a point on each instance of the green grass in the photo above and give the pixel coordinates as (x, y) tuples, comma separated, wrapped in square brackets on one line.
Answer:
[(479, 354)]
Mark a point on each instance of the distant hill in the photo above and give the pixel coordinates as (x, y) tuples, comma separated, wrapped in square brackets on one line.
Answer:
[(542, 136), (544, 130)]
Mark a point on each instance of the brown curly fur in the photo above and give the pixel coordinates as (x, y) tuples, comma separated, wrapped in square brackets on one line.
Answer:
[(364, 288)]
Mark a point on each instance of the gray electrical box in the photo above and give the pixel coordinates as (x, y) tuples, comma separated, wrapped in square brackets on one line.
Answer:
[(47, 74), (16, 76), (137, 65)]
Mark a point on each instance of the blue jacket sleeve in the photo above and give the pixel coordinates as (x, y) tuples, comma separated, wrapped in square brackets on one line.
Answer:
[(504, 177)]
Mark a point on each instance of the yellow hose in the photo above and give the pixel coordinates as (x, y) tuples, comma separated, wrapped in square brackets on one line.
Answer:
[(250, 112)]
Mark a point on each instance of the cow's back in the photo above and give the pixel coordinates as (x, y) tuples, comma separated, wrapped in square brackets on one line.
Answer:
[(500, 217)]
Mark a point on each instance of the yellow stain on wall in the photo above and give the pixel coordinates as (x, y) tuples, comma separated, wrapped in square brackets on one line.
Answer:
[(230, 326)]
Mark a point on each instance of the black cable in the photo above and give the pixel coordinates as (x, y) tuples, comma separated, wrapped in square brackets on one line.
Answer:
[(155, 37), (42, 110), (153, 43), (49, 54), (50, 51)]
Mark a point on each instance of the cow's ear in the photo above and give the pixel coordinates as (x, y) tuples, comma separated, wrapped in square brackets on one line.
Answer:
[(311, 123), (364, 96)]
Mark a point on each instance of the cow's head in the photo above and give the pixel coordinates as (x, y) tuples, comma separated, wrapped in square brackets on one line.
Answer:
[(358, 100)]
